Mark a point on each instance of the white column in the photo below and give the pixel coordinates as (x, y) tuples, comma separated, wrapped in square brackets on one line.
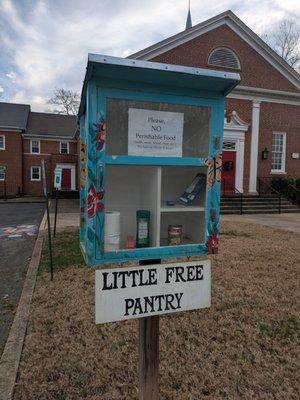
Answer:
[(254, 146), (73, 177), (239, 173)]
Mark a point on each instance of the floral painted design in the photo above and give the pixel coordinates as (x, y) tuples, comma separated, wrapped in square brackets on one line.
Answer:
[(212, 243), (82, 165), (99, 139), (214, 169), (94, 203)]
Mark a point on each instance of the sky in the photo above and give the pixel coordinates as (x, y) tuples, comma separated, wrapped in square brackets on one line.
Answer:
[(44, 43)]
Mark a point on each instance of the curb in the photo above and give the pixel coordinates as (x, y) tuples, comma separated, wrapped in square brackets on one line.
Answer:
[(22, 201), (9, 363)]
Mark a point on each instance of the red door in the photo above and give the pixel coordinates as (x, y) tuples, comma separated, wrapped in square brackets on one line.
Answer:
[(228, 171), (66, 179)]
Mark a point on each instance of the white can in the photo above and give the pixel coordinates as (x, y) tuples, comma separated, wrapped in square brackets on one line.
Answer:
[(112, 231)]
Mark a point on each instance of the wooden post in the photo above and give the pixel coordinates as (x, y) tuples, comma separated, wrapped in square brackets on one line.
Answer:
[(148, 358), (148, 352)]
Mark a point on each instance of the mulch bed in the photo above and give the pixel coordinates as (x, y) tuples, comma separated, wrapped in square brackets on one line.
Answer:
[(246, 346)]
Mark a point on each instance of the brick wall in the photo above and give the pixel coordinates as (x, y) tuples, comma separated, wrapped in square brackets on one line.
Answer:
[(50, 147), (49, 151), (280, 118), (255, 70), (11, 158)]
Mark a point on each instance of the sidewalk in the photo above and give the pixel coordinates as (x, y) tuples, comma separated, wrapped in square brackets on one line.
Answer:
[(288, 222), (24, 199), (67, 214)]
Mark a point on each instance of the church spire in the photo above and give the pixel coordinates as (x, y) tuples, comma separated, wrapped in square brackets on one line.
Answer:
[(189, 18)]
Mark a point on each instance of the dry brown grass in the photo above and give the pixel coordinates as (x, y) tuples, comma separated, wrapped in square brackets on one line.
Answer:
[(246, 346)]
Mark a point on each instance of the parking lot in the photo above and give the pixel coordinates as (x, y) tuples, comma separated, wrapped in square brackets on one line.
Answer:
[(18, 229)]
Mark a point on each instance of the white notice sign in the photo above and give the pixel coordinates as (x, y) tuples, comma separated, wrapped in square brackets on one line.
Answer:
[(57, 178), (154, 133), (143, 291)]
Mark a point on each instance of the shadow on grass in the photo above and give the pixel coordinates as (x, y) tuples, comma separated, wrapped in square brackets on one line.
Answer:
[(65, 251)]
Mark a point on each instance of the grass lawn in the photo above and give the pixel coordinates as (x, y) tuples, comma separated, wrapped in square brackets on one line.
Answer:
[(246, 346)]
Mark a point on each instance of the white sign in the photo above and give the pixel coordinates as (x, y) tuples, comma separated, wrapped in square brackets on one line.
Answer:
[(44, 178), (154, 133), (136, 292), (57, 178)]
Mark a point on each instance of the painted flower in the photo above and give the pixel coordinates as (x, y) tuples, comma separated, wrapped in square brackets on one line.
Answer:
[(94, 203), (212, 243), (100, 134)]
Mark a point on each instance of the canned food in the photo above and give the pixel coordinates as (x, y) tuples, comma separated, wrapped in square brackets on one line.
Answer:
[(175, 235)]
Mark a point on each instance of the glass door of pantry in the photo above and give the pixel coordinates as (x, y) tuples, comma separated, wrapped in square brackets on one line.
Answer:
[(156, 129), (155, 176)]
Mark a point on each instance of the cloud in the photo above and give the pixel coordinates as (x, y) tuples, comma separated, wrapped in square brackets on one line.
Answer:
[(45, 43), (12, 76), (1, 89)]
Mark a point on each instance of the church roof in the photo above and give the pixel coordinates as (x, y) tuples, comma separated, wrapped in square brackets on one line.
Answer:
[(230, 19)]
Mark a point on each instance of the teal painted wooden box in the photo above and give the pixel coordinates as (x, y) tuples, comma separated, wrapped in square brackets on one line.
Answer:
[(146, 130)]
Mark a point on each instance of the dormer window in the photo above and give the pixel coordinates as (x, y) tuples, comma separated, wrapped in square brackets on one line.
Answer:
[(224, 57)]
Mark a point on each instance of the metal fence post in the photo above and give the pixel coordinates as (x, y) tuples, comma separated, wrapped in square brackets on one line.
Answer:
[(279, 205), (5, 194), (241, 203)]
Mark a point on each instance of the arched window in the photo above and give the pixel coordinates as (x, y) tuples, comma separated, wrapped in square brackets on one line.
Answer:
[(224, 57)]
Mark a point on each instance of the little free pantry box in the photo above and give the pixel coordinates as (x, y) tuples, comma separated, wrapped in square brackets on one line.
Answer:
[(150, 159)]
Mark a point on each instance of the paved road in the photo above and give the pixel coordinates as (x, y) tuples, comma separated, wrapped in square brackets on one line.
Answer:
[(18, 228)]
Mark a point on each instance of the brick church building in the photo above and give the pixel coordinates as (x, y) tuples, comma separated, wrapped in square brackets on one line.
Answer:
[(26, 138), (262, 121)]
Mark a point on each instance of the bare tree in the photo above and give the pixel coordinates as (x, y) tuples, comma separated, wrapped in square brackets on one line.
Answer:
[(285, 40), (66, 100)]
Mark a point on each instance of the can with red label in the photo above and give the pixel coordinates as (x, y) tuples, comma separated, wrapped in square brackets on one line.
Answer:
[(174, 235)]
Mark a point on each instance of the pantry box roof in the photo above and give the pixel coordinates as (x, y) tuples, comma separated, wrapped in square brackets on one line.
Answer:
[(214, 83)]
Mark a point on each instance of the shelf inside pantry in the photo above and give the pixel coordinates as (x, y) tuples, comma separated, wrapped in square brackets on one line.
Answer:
[(178, 207), (131, 188), (137, 187)]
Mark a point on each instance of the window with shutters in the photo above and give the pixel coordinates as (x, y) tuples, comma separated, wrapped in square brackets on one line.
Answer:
[(224, 57)]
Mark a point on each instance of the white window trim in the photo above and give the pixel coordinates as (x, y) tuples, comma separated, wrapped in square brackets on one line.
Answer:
[(4, 167), (39, 142), (68, 147), (33, 179), (282, 170), (3, 148)]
